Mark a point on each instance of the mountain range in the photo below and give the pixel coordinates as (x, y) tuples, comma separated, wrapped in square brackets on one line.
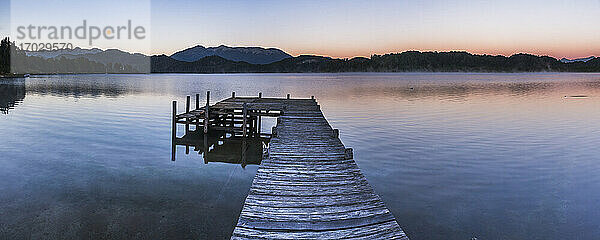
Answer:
[(253, 55), (224, 59)]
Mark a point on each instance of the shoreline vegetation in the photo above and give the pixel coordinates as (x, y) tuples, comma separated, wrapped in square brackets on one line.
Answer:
[(116, 61)]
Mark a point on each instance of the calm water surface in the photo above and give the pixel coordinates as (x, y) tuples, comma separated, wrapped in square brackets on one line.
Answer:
[(454, 156)]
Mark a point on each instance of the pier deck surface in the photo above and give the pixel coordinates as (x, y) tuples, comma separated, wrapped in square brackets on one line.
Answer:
[(308, 187)]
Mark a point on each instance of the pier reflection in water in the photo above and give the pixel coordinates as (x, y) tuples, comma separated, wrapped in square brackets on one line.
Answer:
[(223, 147), (12, 92)]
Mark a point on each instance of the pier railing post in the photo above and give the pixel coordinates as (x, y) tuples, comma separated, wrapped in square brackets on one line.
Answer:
[(197, 107), (244, 117), (174, 131), (258, 127), (187, 110), (206, 115)]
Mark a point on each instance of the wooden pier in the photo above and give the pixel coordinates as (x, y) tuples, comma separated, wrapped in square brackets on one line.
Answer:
[(308, 186)]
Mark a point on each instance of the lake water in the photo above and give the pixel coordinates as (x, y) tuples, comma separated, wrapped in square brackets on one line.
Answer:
[(454, 156)]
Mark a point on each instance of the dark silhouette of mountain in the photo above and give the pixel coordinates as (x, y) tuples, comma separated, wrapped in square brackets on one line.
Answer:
[(210, 64), (253, 55), (60, 52), (116, 61), (139, 62), (411, 61)]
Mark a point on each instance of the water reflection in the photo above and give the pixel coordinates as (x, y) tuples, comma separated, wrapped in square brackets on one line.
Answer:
[(12, 92), (92, 85), (223, 147), (407, 86), (448, 153)]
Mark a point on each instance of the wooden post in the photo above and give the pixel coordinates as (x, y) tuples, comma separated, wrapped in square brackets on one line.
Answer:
[(259, 95), (258, 130), (244, 150), (174, 131), (205, 149), (233, 94), (288, 96), (254, 124), (312, 97), (187, 104), (187, 110), (244, 123), (197, 107), (206, 115)]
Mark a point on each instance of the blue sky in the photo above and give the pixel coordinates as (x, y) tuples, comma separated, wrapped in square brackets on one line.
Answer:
[(4, 17), (345, 28)]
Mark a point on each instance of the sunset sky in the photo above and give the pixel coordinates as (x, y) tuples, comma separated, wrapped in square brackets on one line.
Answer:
[(347, 28)]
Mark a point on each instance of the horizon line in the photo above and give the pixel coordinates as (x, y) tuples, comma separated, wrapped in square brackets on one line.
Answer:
[(336, 57)]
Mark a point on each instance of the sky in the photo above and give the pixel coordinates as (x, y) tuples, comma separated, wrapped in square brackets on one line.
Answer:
[(348, 28)]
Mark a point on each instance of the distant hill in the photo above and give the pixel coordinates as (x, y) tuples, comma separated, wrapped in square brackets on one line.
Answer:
[(57, 53), (253, 55), (411, 61), (116, 61), (209, 64)]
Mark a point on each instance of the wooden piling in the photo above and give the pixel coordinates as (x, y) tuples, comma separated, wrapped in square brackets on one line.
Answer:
[(187, 110), (206, 115), (174, 131), (243, 153), (244, 121), (258, 127), (197, 108), (205, 149)]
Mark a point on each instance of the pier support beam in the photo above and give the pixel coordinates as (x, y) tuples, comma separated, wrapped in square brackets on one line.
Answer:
[(197, 107), (174, 131), (206, 115), (244, 121), (187, 110)]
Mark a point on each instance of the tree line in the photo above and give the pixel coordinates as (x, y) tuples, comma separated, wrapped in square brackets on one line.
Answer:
[(410, 61), (23, 64)]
